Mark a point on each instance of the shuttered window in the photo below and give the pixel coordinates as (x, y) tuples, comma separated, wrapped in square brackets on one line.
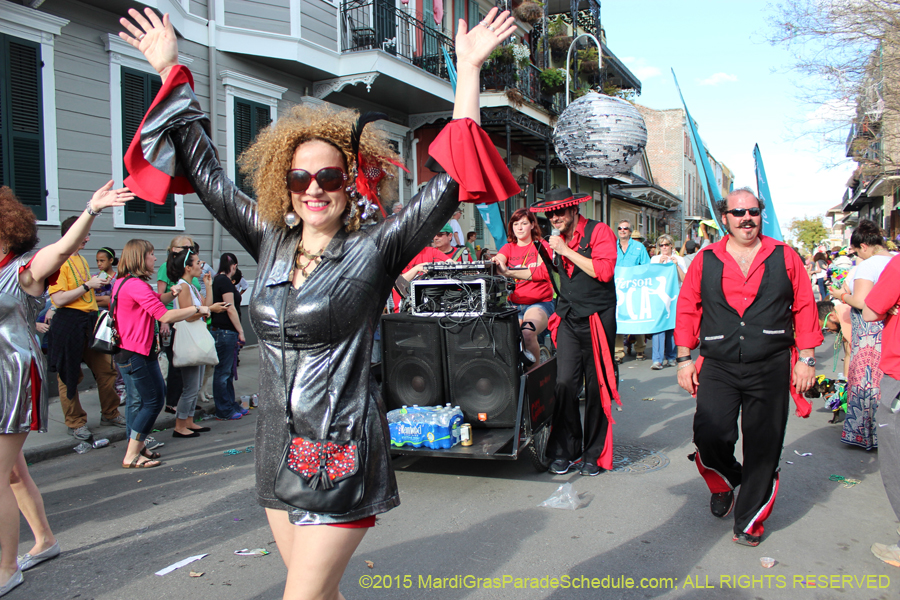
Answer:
[(249, 119), (138, 91), (21, 123)]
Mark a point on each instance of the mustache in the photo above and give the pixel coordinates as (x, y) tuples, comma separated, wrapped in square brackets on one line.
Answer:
[(747, 223)]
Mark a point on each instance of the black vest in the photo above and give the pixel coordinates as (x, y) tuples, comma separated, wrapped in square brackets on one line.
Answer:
[(582, 294), (767, 326)]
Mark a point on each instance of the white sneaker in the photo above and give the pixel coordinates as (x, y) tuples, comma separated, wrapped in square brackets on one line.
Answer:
[(889, 554), (151, 443)]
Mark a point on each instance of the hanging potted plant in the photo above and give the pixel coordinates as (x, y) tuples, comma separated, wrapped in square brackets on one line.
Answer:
[(553, 81), (521, 54), (559, 38), (589, 61), (529, 12)]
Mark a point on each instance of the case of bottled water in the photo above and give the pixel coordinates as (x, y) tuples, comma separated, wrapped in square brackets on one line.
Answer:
[(435, 427)]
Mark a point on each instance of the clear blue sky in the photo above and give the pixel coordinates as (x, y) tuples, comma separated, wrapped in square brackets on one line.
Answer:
[(725, 70)]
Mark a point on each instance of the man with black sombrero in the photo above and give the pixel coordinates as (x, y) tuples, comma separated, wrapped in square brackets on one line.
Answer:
[(584, 329)]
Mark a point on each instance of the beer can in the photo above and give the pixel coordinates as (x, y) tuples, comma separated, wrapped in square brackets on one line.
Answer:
[(101, 443), (465, 434)]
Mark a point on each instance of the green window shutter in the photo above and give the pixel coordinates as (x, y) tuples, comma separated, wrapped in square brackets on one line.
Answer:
[(21, 122), (474, 16), (138, 91), (249, 119)]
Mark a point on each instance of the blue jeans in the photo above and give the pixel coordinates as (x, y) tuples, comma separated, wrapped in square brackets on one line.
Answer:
[(223, 382), (142, 374), (132, 399), (664, 346)]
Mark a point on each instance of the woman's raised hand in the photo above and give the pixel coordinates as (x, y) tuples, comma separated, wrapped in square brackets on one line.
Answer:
[(473, 47), (106, 196), (154, 38)]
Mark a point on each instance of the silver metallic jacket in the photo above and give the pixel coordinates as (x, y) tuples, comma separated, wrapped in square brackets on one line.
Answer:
[(19, 346), (329, 322)]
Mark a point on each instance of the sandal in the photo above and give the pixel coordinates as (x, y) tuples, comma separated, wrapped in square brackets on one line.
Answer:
[(169, 409), (151, 455), (147, 464)]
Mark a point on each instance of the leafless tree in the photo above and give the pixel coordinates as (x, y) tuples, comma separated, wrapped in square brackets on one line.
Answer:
[(847, 57)]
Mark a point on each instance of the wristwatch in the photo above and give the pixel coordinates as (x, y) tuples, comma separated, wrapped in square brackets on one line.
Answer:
[(809, 362), (86, 287)]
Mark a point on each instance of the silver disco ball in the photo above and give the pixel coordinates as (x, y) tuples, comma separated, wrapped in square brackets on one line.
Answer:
[(599, 136)]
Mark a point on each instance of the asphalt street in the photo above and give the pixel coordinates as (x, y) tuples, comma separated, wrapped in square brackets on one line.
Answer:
[(473, 528)]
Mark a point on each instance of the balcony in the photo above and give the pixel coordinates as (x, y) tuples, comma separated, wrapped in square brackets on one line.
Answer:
[(376, 25), (521, 83)]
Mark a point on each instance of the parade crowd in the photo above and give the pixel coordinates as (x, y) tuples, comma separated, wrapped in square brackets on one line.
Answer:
[(743, 345)]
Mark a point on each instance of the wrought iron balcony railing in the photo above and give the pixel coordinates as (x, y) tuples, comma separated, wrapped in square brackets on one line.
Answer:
[(524, 79), (378, 25)]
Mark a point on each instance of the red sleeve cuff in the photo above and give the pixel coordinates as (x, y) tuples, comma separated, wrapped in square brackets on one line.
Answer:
[(468, 155), (145, 180)]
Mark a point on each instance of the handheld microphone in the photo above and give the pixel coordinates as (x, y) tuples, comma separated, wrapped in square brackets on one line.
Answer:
[(554, 231)]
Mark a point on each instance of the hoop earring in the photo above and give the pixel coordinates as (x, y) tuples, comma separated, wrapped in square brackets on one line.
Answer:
[(291, 219)]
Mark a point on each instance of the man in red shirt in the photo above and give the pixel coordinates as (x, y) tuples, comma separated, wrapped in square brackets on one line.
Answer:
[(881, 303), (443, 242), (585, 319), (746, 301)]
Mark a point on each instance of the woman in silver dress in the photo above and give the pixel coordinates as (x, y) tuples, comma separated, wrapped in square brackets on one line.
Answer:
[(24, 275), (322, 280)]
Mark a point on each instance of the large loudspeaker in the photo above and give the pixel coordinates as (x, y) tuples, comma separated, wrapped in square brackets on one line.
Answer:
[(413, 361), (483, 369)]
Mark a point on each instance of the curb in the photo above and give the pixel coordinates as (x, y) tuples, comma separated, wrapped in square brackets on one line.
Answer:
[(113, 434)]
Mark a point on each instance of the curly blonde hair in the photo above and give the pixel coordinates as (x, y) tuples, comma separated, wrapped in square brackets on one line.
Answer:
[(267, 161)]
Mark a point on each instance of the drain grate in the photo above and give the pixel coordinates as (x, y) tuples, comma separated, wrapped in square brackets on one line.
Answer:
[(633, 459)]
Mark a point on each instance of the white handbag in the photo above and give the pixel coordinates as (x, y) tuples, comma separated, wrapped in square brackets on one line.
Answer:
[(193, 345)]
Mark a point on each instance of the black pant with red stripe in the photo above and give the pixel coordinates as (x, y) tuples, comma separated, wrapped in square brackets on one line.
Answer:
[(574, 368), (760, 393)]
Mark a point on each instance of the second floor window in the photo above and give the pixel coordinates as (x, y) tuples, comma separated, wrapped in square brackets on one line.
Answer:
[(249, 119)]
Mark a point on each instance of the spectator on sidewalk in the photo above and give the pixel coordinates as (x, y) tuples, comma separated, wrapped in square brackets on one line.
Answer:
[(882, 304), (181, 267), (629, 253), (664, 341), (228, 333), (456, 239), (70, 335), (174, 383)]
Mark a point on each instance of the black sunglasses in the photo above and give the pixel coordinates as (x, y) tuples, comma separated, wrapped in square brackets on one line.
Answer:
[(740, 212), (557, 212), (624, 228), (330, 179)]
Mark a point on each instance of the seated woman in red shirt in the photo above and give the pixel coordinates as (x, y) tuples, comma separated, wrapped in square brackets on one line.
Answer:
[(520, 260)]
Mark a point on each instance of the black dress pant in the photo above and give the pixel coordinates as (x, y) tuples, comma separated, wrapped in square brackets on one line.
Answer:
[(760, 393), (574, 367)]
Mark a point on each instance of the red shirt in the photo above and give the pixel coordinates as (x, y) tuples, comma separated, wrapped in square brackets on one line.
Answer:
[(884, 295), (539, 288), (429, 254), (740, 292), (603, 250)]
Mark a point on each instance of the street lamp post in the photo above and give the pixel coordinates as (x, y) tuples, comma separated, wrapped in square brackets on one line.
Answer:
[(569, 79)]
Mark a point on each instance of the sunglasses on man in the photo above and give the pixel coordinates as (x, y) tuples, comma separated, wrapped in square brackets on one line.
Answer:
[(330, 179), (556, 212), (740, 212), (624, 228)]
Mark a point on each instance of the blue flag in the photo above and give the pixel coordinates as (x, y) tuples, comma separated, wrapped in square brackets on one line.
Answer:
[(702, 163), (770, 225), (646, 297), (490, 214), (451, 68)]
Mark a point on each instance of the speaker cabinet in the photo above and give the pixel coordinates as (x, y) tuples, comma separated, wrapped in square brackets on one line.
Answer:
[(412, 361), (483, 369)]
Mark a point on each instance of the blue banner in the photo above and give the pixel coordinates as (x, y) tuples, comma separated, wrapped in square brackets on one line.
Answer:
[(770, 225), (646, 297), (711, 187), (490, 214)]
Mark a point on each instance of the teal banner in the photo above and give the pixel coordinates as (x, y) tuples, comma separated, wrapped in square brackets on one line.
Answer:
[(645, 298), (770, 225)]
